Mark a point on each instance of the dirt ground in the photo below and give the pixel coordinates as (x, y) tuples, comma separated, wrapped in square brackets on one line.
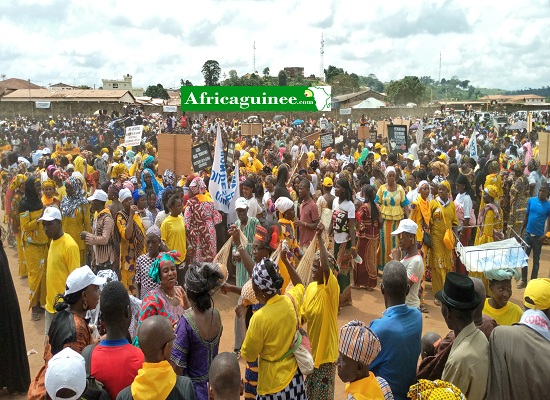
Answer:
[(366, 307)]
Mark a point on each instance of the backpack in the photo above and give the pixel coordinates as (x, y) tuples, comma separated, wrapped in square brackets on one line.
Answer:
[(95, 390)]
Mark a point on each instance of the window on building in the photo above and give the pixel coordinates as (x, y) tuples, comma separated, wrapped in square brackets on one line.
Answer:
[(115, 85)]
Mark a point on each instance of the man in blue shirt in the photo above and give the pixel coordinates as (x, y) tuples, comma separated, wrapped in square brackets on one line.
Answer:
[(399, 331), (538, 211)]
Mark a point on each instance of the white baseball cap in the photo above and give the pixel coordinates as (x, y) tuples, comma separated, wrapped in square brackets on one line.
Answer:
[(406, 225), (241, 203), (46, 150), (124, 194), (98, 195), (51, 214), (66, 370), (80, 279)]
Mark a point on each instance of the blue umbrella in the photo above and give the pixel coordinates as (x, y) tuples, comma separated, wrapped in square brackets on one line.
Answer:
[(298, 122)]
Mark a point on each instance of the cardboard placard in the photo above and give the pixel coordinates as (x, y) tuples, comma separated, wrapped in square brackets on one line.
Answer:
[(230, 153), (169, 109), (398, 138), (201, 157), (544, 147), (133, 135), (363, 132), (250, 129), (175, 153), (327, 140), (345, 111), (311, 139), (382, 128)]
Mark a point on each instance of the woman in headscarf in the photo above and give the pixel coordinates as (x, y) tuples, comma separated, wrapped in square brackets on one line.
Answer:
[(498, 306), (393, 205), (342, 228), (199, 331), (140, 200), (201, 217), (75, 213), (287, 232), (149, 163), (18, 188), (168, 299), (35, 245), (168, 180), (149, 182), (439, 171), (144, 262), (100, 165), (131, 235), (272, 330), (518, 198), (369, 222), (48, 194)]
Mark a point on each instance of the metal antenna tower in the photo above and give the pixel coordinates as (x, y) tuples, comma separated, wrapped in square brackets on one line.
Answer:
[(322, 52)]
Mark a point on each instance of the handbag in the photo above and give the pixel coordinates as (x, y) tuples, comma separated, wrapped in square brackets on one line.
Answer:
[(448, 238), (300, 347), (426, 237)]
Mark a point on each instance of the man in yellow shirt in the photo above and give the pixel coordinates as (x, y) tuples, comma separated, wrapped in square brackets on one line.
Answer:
[(358, 347), (63, 258)]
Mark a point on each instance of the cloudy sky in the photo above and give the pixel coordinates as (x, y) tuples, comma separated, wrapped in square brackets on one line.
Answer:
[(492, 43)]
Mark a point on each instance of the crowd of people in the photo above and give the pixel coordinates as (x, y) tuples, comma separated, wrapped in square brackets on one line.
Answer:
[(122, 261)]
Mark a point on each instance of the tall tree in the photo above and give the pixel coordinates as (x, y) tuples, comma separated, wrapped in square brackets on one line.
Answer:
[(157, 91), (185, 82), (266, 72), (211, 71), (331, 72), (344, 83), (408, 89), (282, 78)]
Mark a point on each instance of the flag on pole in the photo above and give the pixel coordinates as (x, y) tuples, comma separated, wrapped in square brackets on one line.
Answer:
[(473, 146), (222, 193)]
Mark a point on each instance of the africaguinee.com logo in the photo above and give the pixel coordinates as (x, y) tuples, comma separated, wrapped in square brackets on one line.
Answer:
[(255, 98)]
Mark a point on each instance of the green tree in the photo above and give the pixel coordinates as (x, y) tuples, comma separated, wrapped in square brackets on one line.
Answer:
[(371, 81), (331, 72), (185, 82), (211, 71), (408, 89), (282, 78), (85, 87), (343, 83), (157, 92), (266, 72)]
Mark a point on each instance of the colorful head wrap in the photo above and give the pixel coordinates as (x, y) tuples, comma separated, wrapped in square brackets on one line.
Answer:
[(197, 186), (331, 261), (283, 204), (48, 183), (503, 274), (422, 183), (538, 291), (120, 170), (436, 390), (70, 203), (138, 193), (117, 155), (153, 230), (491, 190), (519, 166), (162, 258), (390, 169), (269, 283), (148, 161), (50, 170), (157, 187), (60, 174), (105, 150), (128, 185), (358, 342), (168, 177), (447, 185), (18, 182)]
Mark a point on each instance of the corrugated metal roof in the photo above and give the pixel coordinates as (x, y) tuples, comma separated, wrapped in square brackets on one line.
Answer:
[(67, 94), (15, 83)]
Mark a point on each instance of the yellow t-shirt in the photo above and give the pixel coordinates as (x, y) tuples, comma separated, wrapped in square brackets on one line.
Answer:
[(509, 314), (269, 336), (173, 234), (63, 258), (320, 310), (61, 192)]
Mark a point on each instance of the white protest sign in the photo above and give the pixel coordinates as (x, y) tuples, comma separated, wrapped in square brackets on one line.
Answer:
[(170, 109), (42, 104), (133, 135)]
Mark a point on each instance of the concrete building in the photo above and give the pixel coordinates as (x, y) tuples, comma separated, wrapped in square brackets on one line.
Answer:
[(64, 86), (122, 84), (13, 84)]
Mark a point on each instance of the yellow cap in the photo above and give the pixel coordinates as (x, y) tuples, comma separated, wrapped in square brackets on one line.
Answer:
[(538, 292)]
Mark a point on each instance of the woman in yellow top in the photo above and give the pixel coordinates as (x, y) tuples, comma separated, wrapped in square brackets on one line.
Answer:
[(17, 185), (287, 232), (443, 217), (490, 226), (320, 311), (34, 243), (48, 193), (393, 206), (75, 212), (498, 306), (422, 216), (272, 329), (492, 179), (132, 239)]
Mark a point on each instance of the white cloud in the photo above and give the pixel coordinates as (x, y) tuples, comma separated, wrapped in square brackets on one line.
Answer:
[(491, 43)]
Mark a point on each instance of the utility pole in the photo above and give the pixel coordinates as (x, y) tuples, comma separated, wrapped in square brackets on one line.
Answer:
[(254, 58), (322, 52), (439, 80), (30, 100)]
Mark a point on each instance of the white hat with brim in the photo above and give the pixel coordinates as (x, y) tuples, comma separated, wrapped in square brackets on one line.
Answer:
[(66, 370), (406, 225), (98, 195), (50, 214), (80, 279)]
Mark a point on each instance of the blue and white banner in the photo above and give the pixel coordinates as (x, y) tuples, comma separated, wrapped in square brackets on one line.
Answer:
[(221, 191), (473, 145)]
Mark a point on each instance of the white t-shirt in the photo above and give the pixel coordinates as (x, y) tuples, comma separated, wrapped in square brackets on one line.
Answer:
[(415, 271), (466, 203), (341, 222), (253, 207)]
